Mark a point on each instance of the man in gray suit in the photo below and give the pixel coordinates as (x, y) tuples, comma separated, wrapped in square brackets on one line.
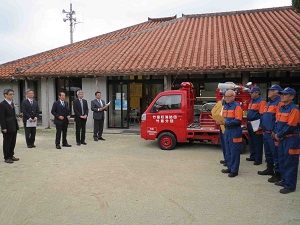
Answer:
[(98, 107)]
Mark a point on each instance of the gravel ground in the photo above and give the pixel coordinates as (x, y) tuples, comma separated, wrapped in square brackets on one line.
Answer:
[(128, 181)]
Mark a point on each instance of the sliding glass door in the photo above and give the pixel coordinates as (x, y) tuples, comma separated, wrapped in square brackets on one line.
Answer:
[(118, 110)]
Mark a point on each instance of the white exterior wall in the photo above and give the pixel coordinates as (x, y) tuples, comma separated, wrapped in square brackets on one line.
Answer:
[(167, 83), (40, 92), (46, 100), (89, 87)]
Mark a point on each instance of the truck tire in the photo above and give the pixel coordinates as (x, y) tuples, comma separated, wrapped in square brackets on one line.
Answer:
[(166, 141)]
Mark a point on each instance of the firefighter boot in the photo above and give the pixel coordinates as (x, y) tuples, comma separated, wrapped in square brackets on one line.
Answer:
[(275, 178), (268, 171)]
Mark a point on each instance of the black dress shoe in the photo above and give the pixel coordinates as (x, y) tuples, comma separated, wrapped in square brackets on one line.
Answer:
[(257, 163), (95, 139), (67, 145), (83, 143), (269, 171), (225, 164), (232, 174), (29, 146), (225, 171), (78, 144), (279, 183), (15, 159), (222, 161), (101, 138), (58, 147), (286, 191), (8, 161), (274, 178), (33, 146), (249, 159)]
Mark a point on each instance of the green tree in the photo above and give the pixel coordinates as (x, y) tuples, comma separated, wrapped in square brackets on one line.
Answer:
[(296, 4)]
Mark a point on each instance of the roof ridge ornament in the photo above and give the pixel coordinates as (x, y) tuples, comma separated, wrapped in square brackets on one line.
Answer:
[(161, 19), (236, 12)]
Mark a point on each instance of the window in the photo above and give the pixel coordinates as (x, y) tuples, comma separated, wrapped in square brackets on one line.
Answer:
[(167, 102)]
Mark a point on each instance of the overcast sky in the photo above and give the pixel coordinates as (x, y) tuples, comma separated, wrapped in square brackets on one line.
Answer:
[(32, 26)]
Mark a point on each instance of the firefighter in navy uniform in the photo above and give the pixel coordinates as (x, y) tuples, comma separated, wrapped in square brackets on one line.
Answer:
[(255, 109), (287, 133), (232, 113), (268, 120)]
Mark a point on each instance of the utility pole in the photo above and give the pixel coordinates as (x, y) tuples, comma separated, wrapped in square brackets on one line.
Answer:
[(70, 16)]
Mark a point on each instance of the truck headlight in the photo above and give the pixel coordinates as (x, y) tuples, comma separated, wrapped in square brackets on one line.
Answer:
[(143, 117)]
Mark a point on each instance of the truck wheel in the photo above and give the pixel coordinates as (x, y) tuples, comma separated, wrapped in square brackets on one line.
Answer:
[(167, 141)]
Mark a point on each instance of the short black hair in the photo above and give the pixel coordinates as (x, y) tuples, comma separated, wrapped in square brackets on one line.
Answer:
[(97, 92), (59, 93), (7, 90)]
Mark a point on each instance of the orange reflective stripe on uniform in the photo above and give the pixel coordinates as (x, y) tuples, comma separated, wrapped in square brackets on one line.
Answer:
[(228, 113), (294, 151), (238, 113), (271, 109), (283, 117), (278, 110), (293, 117), (265, 109), (262, 106), (237, 140), (254, 106)]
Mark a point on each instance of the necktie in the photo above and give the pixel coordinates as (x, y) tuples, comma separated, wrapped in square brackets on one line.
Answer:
[(81, 104), (63, 104), (100, 103)]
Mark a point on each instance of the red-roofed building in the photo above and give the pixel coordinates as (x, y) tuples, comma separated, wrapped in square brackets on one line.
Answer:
[(131, 65)]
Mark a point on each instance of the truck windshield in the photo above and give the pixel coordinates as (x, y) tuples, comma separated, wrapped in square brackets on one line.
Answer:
[(167, 102)]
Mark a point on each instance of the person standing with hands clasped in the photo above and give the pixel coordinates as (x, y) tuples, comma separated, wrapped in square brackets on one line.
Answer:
[(9, 126), (81, 111), (255, 110), (268, 119), (287, 133), (98, 107), (30, 110), (233, 114), (60, 111)]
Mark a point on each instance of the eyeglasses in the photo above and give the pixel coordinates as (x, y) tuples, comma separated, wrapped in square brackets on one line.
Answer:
[(10, 94)]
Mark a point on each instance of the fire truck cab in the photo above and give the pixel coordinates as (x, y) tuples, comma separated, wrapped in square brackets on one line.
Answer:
[(170, 119)]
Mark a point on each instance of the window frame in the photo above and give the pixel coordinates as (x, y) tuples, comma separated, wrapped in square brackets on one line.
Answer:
[(156, 109)]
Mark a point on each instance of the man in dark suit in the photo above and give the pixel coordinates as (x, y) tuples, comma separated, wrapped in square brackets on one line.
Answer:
[(61, 112), (9, 126), (98, 107), (30, 110), (81, 111)]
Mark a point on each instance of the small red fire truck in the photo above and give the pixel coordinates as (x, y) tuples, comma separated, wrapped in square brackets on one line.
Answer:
[(170, 117)]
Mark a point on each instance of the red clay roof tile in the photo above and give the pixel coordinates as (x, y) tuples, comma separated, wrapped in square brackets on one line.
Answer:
[(231, 41)]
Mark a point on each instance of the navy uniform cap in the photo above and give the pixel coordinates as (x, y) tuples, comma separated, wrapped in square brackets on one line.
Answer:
[(275, 87), (255, 89), (288, 91)]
